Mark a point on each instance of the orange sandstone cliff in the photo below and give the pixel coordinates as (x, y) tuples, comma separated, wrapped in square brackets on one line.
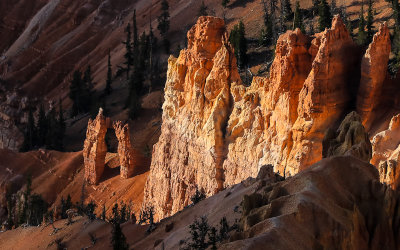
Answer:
[(217, 132)]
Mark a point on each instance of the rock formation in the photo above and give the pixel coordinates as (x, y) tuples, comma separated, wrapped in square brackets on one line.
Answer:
[(216, 132), (325, 93), (386, 153), (349, 139), (95, 148), (130, 161), (373, 72), (190, 151), (337, 203), (125, 150)]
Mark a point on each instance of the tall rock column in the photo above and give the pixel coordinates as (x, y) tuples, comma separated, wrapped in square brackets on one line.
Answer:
[(125, 151), (325, 95), (373, 73), (95, 148), (191, 150)]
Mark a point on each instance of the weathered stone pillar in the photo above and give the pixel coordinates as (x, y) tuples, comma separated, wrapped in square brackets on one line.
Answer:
[(95, 148), (125, 151)]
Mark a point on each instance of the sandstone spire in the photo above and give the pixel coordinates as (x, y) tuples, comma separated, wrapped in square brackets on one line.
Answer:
[(373, 72), (95, 148), (125, 151)]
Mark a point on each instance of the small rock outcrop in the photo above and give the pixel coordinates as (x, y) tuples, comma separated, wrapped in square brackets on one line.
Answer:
[(386, 153), (338, 203), (349, 139), (95, 148), (373, 72)]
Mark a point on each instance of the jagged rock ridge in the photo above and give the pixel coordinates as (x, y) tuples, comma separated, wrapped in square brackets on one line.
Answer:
[(217, 132)]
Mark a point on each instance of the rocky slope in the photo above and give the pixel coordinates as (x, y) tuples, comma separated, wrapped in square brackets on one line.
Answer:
[(217, 132), (319, 208)]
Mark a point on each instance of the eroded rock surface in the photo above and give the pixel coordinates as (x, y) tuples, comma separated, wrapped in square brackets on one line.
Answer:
[(125, 150), (95, 148), (349, 139), (386, 153), (373, 72), (337, 203)]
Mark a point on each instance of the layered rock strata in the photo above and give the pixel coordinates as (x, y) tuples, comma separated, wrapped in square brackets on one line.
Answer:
[(95, 148)]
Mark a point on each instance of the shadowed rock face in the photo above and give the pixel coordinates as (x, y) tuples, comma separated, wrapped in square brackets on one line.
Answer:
[(349, 139), (217, 132), (95, 148), (338, 203)]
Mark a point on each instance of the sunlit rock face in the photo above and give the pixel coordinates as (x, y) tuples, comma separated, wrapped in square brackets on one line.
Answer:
[(217, 132), (373, 73), (95, 148), (191, 151), (386, 153)]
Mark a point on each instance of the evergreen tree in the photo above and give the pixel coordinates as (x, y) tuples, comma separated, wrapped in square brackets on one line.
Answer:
[(163, 24), (52, 131), (267, 33), (42, 126), (333, 7), (135, 38), (128, 53), (133, 98), (286, 10), (325, 17), (29, 133), (203, 10), (239, 42), (396, 12), (61, 128), (315, 7), (225, 3), (199, 231), (103, 213), (109, 76), (75, 92), (118, 239), (370, 21), (362, 35), (87, 92), (298, 18)]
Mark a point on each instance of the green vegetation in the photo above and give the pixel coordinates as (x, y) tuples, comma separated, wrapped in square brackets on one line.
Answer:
[(325, 16), (163, 24), (239, 42)]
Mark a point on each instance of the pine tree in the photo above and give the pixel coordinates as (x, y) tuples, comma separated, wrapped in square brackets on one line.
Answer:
[(29, 133), (103, 213), (370, 22), (133, 99), (286, 10), (61, 128), (52, 130), (325, 17), (109, 76), (88, 84), (225, 3), (42, 126), (239, 42), (298, 18), (315, 7), (362, 35), (163, 24), (118, 239), (135, 44), (267, 33), (333, 7), (128, 53), (75, 92), (203, 10)]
